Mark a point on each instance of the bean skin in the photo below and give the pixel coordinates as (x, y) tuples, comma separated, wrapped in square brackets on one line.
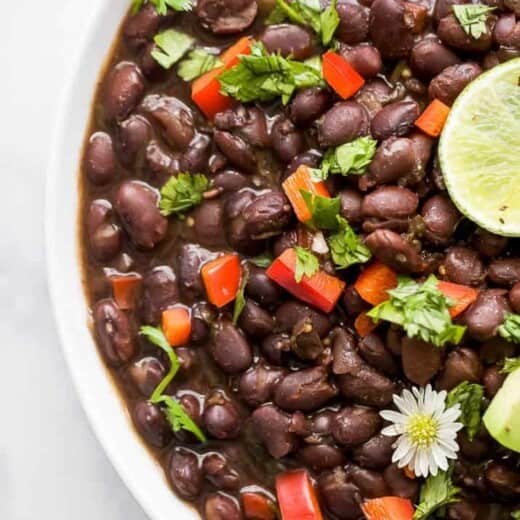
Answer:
[(365, 58), (224, 17), (230, 348), (146, 374), (463, 266), (255, 321), (288, 40), (440, 217), (257, 385), (286, 139), (389, 202), (151, 423), (376, 453), (462, 364), (133, 134), (344, 122), (353, 25), (420, 360), (355, 425), (514, 297), (142, 26), (487, 313), (340, 497), (395, 119), (100, 163), (185, 473), (430, 57), (451, 33), (114, 332), (308, 105), (104, 235), (221, 417), (222, 507), (321, 456), (447, 85), (505, 272)]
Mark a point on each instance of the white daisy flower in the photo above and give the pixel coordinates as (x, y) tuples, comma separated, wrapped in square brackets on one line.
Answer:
[(426, 430)]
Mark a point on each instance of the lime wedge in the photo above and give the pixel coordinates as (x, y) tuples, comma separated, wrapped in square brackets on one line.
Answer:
[(479, 150)]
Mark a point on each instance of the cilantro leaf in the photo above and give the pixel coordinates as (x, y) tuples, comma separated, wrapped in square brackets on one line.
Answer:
[(308, 13), (346, 247), (264, 260), (171, 45), (196, 64), (161, 6), (324, 210), (516, 515), (472, 18), (178, 418), (422, 310), (156, 336), (510, 365), (182, 193), (306, 264), (240, 299), (350, 158), (510, 329), (261, 76), (469, 396), (436, 492)]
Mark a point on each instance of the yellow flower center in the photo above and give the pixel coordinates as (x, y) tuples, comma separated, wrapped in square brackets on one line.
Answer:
[(422, 430)]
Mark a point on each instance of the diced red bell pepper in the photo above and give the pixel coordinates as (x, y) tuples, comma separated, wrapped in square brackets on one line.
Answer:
[(221, 279), (340, 75), (297, 497), (432, 120), (320, 290), (125, 288), (374, 282), (388, 508), (257, 507), (461, 295), (176, 325), (364, 325)]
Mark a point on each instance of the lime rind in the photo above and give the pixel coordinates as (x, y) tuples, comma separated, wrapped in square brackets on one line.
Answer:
[(479, 150)]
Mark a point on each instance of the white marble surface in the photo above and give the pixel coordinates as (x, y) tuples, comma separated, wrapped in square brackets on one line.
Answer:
[(51, 466)]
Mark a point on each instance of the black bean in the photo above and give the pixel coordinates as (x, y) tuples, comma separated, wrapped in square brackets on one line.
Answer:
[(376, 453), (392, 27), (274, 347), (311, 158), (485, 315), (123, 90), (462, 364), (394, 158), (505, 272), (464, 510), (230, 348), (421, 361), (136, 204), (341, 497), (104, 235), (394, 251), (321, 456), (351, 202), (451, 33), (230, 181), (306, 343), (440, 217), (271, 425), (514, 297), (353, 302), (261, 288), (305, 390), (447, 85), (464, 266), (503, 480), (506, 31), (160, 291), (221, 417), (290, 313), (132, 136), (488, 244), (159, 162), (370, 483), (237, 234), (344, 122), (190, 260), (249, 123), (355, 425), (151, 424), (353, 25), (255, 321), (256, 386), (113, 332), (365, 58), (239, 153), (227, 16), (218, 471), (196, 157), (400, 484), (267, 215), (100, 159), (208, 224), (374, 352), (390, 202), (287, 141), (288, 40), (395, 119), (185, 473), (493, 379), (430, 57), (146, 373), (142, 26), (309, 104)]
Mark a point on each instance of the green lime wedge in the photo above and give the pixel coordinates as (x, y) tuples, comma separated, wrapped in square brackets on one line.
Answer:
[(479, 150)]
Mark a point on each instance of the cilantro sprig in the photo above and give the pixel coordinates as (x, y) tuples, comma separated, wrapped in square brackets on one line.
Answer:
[(422, 310), (171, 46), (240, 299), (261, 76), (161, 6), (472, 18), (306, 264), (309, 13), (197, 63), (437, 491), (346, 247), (182, 193), (323, 210), (350, 158), (172, 409), (264, 260), (469, 396), (511, 365), (510, 329)]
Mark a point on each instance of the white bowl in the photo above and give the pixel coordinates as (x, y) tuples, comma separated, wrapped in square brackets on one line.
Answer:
[(99, 397)]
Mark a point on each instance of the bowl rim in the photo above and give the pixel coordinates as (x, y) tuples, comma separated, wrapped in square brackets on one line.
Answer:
[(157, 502)]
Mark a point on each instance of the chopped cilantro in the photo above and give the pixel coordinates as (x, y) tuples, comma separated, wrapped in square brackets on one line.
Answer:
[(161, 6), (306, 264), (510, 329), (182, 193), (178, 418), (346, 247), (510, 365), (264, 260), (437, 491), (469, 396), (472, 18), (324, 210), (351, 158), (240, 299), (422, 310), (196, 64), (171, 45)]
